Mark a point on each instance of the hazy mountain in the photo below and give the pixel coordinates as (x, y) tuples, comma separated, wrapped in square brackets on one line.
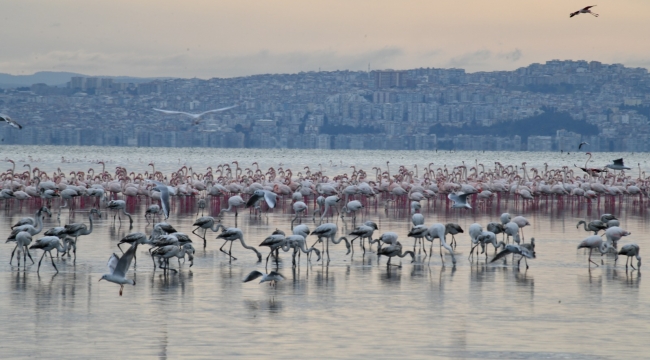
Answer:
[(56, 78)]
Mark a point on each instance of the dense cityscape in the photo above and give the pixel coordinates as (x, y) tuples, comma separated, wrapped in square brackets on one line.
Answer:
[(418, 109)]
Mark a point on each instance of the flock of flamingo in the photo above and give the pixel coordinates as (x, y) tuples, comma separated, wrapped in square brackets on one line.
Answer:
[(344, 194)]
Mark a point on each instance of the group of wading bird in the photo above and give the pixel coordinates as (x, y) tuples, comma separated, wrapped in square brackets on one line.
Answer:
[(263, 190)]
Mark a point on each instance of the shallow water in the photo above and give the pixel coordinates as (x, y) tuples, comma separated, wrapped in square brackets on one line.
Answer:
[(352, 308)]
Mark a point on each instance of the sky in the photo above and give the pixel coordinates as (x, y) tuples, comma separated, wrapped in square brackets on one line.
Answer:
[(205, 39)]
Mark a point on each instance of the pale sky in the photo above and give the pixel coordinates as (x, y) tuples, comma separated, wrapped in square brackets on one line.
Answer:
[(227, 38)]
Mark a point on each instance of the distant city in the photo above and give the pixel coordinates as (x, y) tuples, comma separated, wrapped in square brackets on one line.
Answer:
[(606, 106)]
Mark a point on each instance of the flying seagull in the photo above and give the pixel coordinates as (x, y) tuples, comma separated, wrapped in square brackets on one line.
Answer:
[(273, 277), (460, 200), (269, 196), (196, 117), (618, 165), (581, 144), (118, 267), (10, 121), (164, 196), (585, 10)]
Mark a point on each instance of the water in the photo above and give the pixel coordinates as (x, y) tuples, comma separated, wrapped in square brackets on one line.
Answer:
[(558, 308)]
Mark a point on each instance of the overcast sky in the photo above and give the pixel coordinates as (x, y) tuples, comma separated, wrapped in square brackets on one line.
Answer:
[(226, 38)]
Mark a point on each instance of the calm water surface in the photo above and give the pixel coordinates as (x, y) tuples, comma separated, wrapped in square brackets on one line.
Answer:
[(353, 308)]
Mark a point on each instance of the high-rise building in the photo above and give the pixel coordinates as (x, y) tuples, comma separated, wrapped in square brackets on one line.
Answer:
[(389, 78)]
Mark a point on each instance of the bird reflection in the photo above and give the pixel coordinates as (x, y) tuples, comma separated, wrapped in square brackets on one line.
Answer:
[(271, 305)]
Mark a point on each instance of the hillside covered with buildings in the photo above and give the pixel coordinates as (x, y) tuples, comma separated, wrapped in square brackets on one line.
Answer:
[(542, 107)]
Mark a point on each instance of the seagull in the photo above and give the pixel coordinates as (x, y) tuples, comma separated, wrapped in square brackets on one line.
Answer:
[(618, 165), (273, 277), (585, 10), (164, 196), (459, 199), (10, 121), (581, 144), (119, 266), (269, 196), (196, 117)]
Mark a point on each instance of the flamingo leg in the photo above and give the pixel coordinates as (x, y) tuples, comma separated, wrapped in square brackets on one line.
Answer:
[(39, 262), (590, 261), (52, 258)]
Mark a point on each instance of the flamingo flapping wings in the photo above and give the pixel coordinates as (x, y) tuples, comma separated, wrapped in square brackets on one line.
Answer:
[(585, 10)]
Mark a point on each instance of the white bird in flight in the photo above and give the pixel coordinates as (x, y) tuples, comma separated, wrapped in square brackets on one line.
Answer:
[(196, 117), (118, 267), (272, 277), (460, 200), (585, 10), (10, 121)]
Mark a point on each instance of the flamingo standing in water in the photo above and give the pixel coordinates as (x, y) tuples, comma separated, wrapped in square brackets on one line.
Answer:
[(233, 202), (328, 231), (594, 242), (631, 250)]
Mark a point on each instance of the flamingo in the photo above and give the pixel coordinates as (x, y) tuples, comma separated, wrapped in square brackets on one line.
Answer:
[(395, 250), (23, 239), (47, 244), (31, 220), (78, 229), (132, 238), (594, 226), (233, 202), (299, 208), (453, 229), (521, 222), (232, 234), (330, 201), (584, 10), (164, 253), (274, 242), (205, 223), (631, 250), (527, 251), (328, 231), (419, 232), (152, 210), (352, 207), (119, 205), (594, 242), (439, 231), (364, 231), (297, 242)]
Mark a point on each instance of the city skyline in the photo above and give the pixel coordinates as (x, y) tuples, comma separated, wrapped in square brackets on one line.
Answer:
[(554, 105), (226, 39)]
